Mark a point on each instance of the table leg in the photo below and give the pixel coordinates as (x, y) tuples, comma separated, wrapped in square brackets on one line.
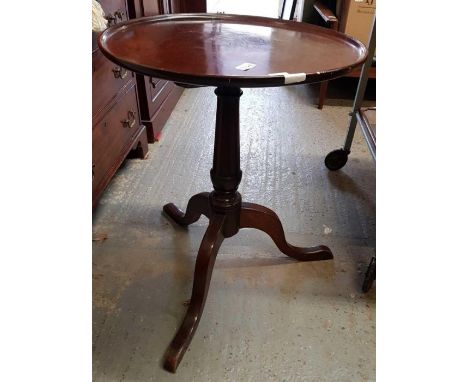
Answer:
[(198, 204), (322, 94), (203, 269), (264, 219)]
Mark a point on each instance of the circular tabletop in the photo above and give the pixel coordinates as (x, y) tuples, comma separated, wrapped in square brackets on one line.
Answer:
[(215, 50)]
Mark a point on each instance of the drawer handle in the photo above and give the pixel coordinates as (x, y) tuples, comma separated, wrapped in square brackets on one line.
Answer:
[(112, 18), (119, 72), (119, 14), (94, 165), (130, 121)]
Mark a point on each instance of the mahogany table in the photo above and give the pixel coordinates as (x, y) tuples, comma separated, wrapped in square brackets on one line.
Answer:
[(209, 50)]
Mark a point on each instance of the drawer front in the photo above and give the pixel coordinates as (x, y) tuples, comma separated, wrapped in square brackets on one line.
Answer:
[(152, 8), (115, 11), (113, 132), (108, 80), (157, 91)]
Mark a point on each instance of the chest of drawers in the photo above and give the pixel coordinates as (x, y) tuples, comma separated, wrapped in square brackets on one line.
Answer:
[(116, 120)]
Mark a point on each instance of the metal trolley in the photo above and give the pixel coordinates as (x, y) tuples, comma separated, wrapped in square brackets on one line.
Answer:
[(336, 159)]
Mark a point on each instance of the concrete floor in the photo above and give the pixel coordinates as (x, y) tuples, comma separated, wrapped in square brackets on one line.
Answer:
[(267, 317)]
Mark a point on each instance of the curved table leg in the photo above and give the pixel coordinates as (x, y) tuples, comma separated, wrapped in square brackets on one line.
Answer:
[(262, 218), (203, 269), (198, 204)]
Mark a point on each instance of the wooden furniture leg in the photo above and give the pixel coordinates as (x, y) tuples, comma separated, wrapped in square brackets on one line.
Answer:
[(203, 270), (332, 21), (221, 206), (322, 94), (198, 204), (262, 218)]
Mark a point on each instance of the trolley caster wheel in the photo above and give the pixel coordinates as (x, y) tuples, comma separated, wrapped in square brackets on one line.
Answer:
[(336, 159), (370, 277)]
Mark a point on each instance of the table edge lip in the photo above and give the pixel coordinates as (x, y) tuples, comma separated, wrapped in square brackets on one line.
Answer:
[(234, 81)]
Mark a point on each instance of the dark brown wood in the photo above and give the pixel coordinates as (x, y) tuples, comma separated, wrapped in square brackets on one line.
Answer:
[(162, 114), (357, 73), (326, 14), (109, 80), (203, 50), (142, 8), (113, 138), (322, 94), (153, 92), (175, 6), (155, 88), (198, 205), (332, 21), (262, 218), (226, 173), (157, 91), (117, 129), (203, 269), (227, 214), (188, 6)]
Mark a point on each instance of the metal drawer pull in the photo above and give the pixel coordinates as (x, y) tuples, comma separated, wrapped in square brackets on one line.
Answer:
[(112, 18), (119, 14), (130, 121), (119, 72), (94, 165)]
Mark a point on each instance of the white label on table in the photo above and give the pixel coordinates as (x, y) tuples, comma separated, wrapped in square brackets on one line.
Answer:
[(245, 66), (290, 78)]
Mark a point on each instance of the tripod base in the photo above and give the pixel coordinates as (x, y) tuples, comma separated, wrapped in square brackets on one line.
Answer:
[(225, 221)]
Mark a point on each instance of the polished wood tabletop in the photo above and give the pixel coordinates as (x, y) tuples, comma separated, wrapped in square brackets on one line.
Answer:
[(205, 49)]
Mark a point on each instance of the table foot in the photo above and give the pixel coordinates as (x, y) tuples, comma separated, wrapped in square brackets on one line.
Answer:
[(198, 204), (203, 269), (259, 217)]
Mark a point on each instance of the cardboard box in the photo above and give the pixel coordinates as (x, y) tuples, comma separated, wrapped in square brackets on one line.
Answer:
[(359, 18)]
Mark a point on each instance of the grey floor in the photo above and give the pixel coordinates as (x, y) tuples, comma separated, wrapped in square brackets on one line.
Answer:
[(267, 317)]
